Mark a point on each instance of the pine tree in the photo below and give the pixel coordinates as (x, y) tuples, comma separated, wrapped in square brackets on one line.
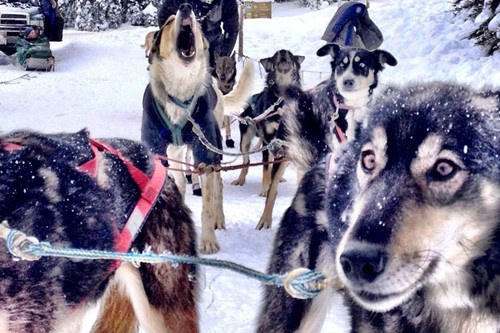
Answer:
[(486, 16), (84, 19)]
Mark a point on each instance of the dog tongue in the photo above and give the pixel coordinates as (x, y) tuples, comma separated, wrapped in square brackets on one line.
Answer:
[(186, 21)]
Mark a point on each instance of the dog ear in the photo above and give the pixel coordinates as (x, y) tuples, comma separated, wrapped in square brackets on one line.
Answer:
[(330, 48), (299, 59), (267, 63), (154, 47), (385, 57)]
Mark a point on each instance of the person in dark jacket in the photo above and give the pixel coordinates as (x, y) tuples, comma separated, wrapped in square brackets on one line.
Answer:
[(219, 21)]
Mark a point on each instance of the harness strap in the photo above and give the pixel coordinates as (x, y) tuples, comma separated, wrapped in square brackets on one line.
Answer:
[(339, 133), (150, 191)]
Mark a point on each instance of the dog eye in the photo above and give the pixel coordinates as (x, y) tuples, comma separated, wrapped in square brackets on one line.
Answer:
[(368, 161), (443, 170)]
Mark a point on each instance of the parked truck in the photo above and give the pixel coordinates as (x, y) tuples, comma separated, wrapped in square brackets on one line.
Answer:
[(16, 15)]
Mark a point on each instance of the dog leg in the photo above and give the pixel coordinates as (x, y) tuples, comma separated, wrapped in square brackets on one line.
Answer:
[(266, 174), (247, 134), (266, 219), (175, 153), (212, 216)]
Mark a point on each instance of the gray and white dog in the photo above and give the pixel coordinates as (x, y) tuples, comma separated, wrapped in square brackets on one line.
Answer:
[(409, 222)]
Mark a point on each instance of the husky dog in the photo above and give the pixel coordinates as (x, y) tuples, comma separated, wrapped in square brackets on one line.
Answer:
[(321, 119), (77, 193), (283, 71), (409, 223), (183, 96), (225, 73)]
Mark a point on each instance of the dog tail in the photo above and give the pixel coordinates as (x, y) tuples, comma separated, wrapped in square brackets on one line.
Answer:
[(239, 97), (125, 305), (305, 145)]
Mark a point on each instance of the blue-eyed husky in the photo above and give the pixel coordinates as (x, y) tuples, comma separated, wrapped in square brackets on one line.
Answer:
[(409, 222)]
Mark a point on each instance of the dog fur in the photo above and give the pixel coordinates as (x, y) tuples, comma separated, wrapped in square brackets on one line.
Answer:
[(43, 194), (409, 223), (225, 73), (283, 71), (181, 84), (309, 119)]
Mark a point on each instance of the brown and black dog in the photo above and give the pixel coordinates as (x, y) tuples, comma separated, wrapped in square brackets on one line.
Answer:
[(74, 192)]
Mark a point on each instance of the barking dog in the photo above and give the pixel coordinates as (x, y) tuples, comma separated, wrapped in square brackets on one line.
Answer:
[(181, 86), (410, 222), (63, 190), (329, 114), (283, 71)]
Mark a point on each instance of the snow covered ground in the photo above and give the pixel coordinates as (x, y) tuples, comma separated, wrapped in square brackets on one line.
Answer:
[(100, 78)]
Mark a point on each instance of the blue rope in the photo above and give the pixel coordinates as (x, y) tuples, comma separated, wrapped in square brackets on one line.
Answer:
[(302, 286)]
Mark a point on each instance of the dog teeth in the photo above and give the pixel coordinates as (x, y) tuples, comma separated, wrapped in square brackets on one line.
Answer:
[(188, 55)]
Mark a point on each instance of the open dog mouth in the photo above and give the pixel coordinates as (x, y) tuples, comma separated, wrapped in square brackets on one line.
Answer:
[(186, 46)]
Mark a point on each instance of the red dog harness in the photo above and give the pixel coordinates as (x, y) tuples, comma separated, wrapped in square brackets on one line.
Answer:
[(150, 190)]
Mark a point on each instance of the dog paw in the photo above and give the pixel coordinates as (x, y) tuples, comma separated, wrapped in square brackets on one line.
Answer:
[(209, 246), (238, 182), (263, 193), (283, 180), (264, 223), (229, 143)]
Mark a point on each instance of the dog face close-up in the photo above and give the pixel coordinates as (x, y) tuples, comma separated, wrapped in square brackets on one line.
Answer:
[(355, 70), (415, 203), (180, 37), (283, 66)]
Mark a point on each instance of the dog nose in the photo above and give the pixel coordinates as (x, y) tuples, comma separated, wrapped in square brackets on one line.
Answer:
[(348, 83), (363, 265), (185, 8)]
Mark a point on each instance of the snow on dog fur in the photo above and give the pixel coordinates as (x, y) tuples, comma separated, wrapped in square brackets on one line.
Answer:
[(409, 223)]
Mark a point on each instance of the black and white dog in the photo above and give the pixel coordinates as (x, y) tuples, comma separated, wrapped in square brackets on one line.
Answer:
[(409, 221), (321, 119), (264, 112)]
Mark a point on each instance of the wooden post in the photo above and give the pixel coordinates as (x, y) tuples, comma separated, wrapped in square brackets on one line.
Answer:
[(240, 32)]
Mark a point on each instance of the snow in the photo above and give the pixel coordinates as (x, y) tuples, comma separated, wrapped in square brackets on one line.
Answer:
[(100, 78)]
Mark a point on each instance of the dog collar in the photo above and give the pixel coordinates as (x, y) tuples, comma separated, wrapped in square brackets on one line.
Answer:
[(182, 104)]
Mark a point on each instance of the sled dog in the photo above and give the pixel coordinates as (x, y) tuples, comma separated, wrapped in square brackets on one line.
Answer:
[(409, 221), (321, 119), (264, 112), (74, 192), (182, 95)]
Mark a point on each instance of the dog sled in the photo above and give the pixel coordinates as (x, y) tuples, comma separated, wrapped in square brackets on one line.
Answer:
[(35, 55)]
